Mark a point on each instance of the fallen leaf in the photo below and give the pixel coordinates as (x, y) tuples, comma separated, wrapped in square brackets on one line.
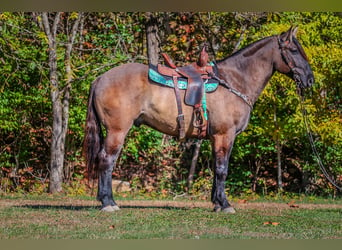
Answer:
[(292, 204), (242, 201), (271, 223), (111, 227)]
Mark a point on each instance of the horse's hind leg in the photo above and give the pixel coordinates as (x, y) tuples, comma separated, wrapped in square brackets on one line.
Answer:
[(106, 162)]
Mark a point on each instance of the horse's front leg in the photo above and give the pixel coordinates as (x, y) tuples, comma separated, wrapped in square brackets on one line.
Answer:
[(222, 146)]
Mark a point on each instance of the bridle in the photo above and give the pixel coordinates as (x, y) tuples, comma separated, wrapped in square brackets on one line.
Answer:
[(284, 51)]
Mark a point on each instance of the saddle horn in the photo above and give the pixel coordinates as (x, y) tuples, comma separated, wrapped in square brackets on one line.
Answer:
[(203, 57)]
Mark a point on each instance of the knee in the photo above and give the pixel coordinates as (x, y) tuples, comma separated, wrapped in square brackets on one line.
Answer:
[(221, 152), (221, 172), (221, 165)]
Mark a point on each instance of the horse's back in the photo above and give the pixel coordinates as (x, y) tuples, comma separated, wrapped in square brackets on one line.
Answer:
[(123, 80), (124, 75)]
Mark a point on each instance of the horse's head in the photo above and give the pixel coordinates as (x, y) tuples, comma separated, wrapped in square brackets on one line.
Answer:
[(294, 62)]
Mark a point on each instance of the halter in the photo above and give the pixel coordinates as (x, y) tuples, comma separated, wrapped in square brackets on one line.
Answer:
[(284, 47)]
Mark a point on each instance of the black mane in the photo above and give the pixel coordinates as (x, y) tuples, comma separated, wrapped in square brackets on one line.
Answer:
[(249, 49)]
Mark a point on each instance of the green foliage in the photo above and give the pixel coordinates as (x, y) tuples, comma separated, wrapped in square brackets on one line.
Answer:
[(142, 142)]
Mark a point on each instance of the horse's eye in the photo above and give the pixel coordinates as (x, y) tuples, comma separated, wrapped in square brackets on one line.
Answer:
[(294, 50)]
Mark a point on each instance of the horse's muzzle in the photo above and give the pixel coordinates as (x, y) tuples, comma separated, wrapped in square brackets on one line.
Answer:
[(310, 81), (303, 80), (307, 82)]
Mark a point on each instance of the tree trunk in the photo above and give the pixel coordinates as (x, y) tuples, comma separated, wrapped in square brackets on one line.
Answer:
[(58, 137), (193, 165), (57, 148), (278, 147), (152, 39), (280, 181), (60, 97), (69, 76), (255, 179)]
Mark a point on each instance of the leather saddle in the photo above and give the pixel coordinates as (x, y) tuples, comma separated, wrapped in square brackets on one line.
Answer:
[(196, 74)]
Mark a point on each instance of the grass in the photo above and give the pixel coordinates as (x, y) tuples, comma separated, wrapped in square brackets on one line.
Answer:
[(71, 218)]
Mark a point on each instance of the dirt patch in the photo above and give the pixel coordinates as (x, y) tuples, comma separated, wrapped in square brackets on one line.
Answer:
[(70, 202)]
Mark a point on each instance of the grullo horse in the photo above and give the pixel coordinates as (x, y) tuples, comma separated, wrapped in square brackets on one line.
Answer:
[(124, 96)]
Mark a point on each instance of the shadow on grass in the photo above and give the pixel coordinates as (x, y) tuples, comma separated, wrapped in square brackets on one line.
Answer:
[(91, 208), (58, 207)]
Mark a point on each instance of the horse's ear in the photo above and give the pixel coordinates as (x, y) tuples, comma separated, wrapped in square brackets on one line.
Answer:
[(294, 32), (287, 36)]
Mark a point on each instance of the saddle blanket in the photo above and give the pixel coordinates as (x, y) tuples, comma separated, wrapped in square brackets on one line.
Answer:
[(210, 85)]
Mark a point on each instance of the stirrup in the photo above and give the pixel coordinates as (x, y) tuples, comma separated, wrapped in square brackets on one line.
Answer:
[(199, 119)]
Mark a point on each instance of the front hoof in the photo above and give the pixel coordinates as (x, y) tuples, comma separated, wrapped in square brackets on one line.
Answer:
[(229, 210), (110, 209)]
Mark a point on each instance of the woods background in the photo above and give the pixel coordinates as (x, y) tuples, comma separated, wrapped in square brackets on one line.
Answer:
[(49, 60)]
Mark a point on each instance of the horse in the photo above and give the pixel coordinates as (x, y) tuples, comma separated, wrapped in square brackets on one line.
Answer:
[(124, 96)]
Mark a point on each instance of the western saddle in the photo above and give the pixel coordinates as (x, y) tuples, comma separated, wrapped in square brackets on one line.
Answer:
[(196, 74)]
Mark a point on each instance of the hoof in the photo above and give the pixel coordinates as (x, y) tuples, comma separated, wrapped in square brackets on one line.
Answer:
[(217, 209), (110, 209), (229, 210)]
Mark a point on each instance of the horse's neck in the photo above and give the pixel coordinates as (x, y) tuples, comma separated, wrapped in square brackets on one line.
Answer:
[(250, 69)]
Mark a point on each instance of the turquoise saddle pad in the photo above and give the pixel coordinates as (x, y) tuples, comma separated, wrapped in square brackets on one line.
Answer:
[(210, 85)]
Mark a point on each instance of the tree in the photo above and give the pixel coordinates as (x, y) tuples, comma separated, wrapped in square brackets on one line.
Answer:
[(152, 38), (60, 93)]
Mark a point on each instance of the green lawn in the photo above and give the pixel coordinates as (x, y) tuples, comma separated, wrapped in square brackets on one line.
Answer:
[(72, 218)]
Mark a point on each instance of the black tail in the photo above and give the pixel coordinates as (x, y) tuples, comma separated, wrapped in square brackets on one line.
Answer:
[(93, 137)]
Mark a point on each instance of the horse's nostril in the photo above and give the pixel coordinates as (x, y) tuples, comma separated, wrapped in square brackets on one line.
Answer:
[(310, 80)]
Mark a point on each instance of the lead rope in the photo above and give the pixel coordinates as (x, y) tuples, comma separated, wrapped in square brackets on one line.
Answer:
[(318, 158)]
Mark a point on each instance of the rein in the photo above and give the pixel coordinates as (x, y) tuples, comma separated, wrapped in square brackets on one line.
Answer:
[(245, 98), (309, 133), (284, 46)]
